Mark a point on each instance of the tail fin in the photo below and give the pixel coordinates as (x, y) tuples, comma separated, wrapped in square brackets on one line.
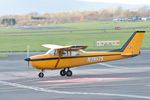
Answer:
[(134, 43)]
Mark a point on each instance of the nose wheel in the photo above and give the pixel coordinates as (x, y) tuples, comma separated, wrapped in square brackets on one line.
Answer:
[(41, 75), (67, 72)]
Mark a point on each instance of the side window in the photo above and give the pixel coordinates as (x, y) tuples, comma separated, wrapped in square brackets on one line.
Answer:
[(75, 53), (64, 53)]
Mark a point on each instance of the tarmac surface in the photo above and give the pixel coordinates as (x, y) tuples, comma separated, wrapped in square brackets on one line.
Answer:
[(127, 79)]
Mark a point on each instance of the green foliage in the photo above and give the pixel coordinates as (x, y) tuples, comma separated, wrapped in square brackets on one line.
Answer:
[(3, 55), (83, 33)]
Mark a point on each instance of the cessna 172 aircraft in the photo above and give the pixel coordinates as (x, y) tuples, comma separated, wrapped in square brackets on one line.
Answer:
[(66, 57)]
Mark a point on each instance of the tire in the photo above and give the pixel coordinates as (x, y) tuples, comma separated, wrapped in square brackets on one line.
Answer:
[(41, 75), (69, 73), (62, 72)]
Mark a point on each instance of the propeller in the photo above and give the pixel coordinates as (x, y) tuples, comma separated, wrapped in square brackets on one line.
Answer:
[(28, 55), (28, 52)]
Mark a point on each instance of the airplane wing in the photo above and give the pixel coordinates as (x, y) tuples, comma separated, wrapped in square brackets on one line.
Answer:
[(77, 47), (53, 46), (71, 47)]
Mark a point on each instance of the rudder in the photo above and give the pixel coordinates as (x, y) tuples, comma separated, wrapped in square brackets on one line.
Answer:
[(134, 43)]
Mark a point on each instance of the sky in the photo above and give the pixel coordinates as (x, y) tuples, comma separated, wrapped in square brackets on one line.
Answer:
[(9, 7), (131, 2)]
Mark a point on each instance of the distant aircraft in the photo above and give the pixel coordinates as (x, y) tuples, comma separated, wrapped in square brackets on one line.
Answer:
[(66, 57)]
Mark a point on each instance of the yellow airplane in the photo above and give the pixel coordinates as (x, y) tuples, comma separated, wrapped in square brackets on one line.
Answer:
[(66, 57)]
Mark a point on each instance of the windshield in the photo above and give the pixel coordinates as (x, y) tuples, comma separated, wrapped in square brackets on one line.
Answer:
[(51, 52)]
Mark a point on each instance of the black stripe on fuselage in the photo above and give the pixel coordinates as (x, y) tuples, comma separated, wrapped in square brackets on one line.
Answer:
[(70, 57)]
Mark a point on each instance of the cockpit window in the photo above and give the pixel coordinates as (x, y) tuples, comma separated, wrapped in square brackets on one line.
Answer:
[(51, 52), (64, 52)]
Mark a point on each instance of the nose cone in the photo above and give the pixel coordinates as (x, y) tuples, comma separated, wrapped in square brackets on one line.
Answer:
[(27, 59)]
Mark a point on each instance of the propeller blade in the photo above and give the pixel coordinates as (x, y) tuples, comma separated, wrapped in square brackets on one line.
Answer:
[(28, 61), (28, 64), (28, 51), (28, 55)]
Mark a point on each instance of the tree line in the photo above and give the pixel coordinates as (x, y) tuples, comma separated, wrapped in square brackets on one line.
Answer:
[(77, 16)]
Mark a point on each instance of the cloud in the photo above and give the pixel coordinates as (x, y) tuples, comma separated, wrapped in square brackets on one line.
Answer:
[(132, 2)]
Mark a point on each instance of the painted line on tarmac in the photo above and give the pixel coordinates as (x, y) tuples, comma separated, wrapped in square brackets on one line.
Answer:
[(148, 85), (111, 66), (71, 93), (87, 80)]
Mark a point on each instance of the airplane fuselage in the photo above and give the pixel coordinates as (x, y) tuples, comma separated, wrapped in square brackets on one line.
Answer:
[(45, 61)]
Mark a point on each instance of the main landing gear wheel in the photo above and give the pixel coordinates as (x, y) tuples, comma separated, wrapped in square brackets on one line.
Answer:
[(41, 75), (62, 72), (67, 72)]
